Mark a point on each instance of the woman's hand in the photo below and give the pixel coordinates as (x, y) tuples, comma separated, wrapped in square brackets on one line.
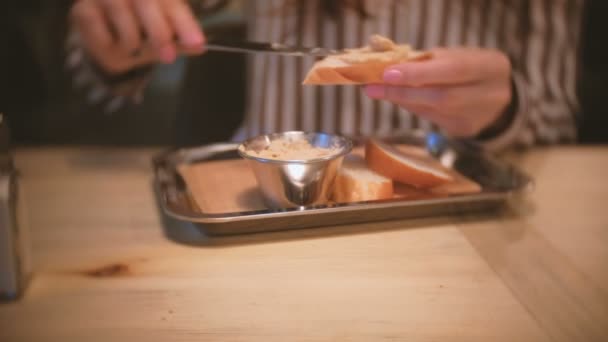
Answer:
[(462, 90), (122, 34)]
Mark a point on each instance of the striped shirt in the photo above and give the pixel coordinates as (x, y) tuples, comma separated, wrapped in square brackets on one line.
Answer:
[(540, 37)]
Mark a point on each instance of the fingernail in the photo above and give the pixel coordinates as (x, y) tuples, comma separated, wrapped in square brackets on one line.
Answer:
[(374, 91), (393, 76), (167, 54)]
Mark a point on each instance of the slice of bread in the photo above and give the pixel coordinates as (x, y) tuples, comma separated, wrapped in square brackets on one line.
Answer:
[(461, 185), (355, 182), (458, 186), (364, 65), (408, 192), (414, 169)]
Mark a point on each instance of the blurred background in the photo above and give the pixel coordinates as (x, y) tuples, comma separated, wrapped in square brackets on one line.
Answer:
[(43, 107)]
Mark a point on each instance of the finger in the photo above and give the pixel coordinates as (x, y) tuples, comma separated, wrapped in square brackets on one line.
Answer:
[(423, 112), (145, 54), (424, 104), (195, 50), (124, 22), (450, 67), (454, 101), (157, 28), (96, 36), (90, 23), (461, 110), (453, 125), (188, 30), (429, 97)]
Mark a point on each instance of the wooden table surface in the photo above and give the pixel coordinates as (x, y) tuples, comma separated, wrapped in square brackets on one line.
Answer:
[(105, 268)]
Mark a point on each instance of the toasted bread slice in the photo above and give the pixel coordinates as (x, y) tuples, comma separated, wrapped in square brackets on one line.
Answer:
[(461, 185), (458, 186), (364, 65), (409, 168), (356, 182), (408, 192)]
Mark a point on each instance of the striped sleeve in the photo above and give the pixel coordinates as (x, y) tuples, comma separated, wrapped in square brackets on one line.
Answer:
[(98, 89), (541, 38)]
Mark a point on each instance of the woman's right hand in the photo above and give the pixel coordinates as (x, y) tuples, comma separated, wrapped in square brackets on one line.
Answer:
[(123, 34)]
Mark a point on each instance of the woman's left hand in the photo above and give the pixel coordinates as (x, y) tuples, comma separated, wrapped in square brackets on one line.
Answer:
[(462, 90)]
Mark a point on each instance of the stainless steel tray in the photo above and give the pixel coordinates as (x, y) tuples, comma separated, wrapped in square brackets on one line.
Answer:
[(498, 180)]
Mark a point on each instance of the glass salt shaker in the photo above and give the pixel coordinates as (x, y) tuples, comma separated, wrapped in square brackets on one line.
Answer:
[(13, 240)]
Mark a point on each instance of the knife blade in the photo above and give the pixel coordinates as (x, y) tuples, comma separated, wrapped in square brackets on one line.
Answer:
[(267, 47)]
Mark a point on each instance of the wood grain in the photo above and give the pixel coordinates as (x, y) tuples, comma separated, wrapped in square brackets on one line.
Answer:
[(105, 270), (551, 250), (222, 186)]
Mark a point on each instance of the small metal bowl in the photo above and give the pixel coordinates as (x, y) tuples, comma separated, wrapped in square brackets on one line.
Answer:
[(295, 183)]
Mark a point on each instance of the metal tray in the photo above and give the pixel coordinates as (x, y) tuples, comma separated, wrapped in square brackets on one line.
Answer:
[(498, 180)]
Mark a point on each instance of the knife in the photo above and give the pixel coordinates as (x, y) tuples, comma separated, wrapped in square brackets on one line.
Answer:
[(269, 48), (244, 46)]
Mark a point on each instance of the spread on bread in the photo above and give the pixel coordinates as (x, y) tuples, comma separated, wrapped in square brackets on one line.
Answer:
[(379, 43), (362, 65), (380, 49)]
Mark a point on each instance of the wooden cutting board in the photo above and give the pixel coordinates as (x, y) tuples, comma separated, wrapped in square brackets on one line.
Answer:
[(229, 185), (222, 186)]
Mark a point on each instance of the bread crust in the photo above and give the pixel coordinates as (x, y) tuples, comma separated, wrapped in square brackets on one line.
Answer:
[(328, 71), (405, 168)]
